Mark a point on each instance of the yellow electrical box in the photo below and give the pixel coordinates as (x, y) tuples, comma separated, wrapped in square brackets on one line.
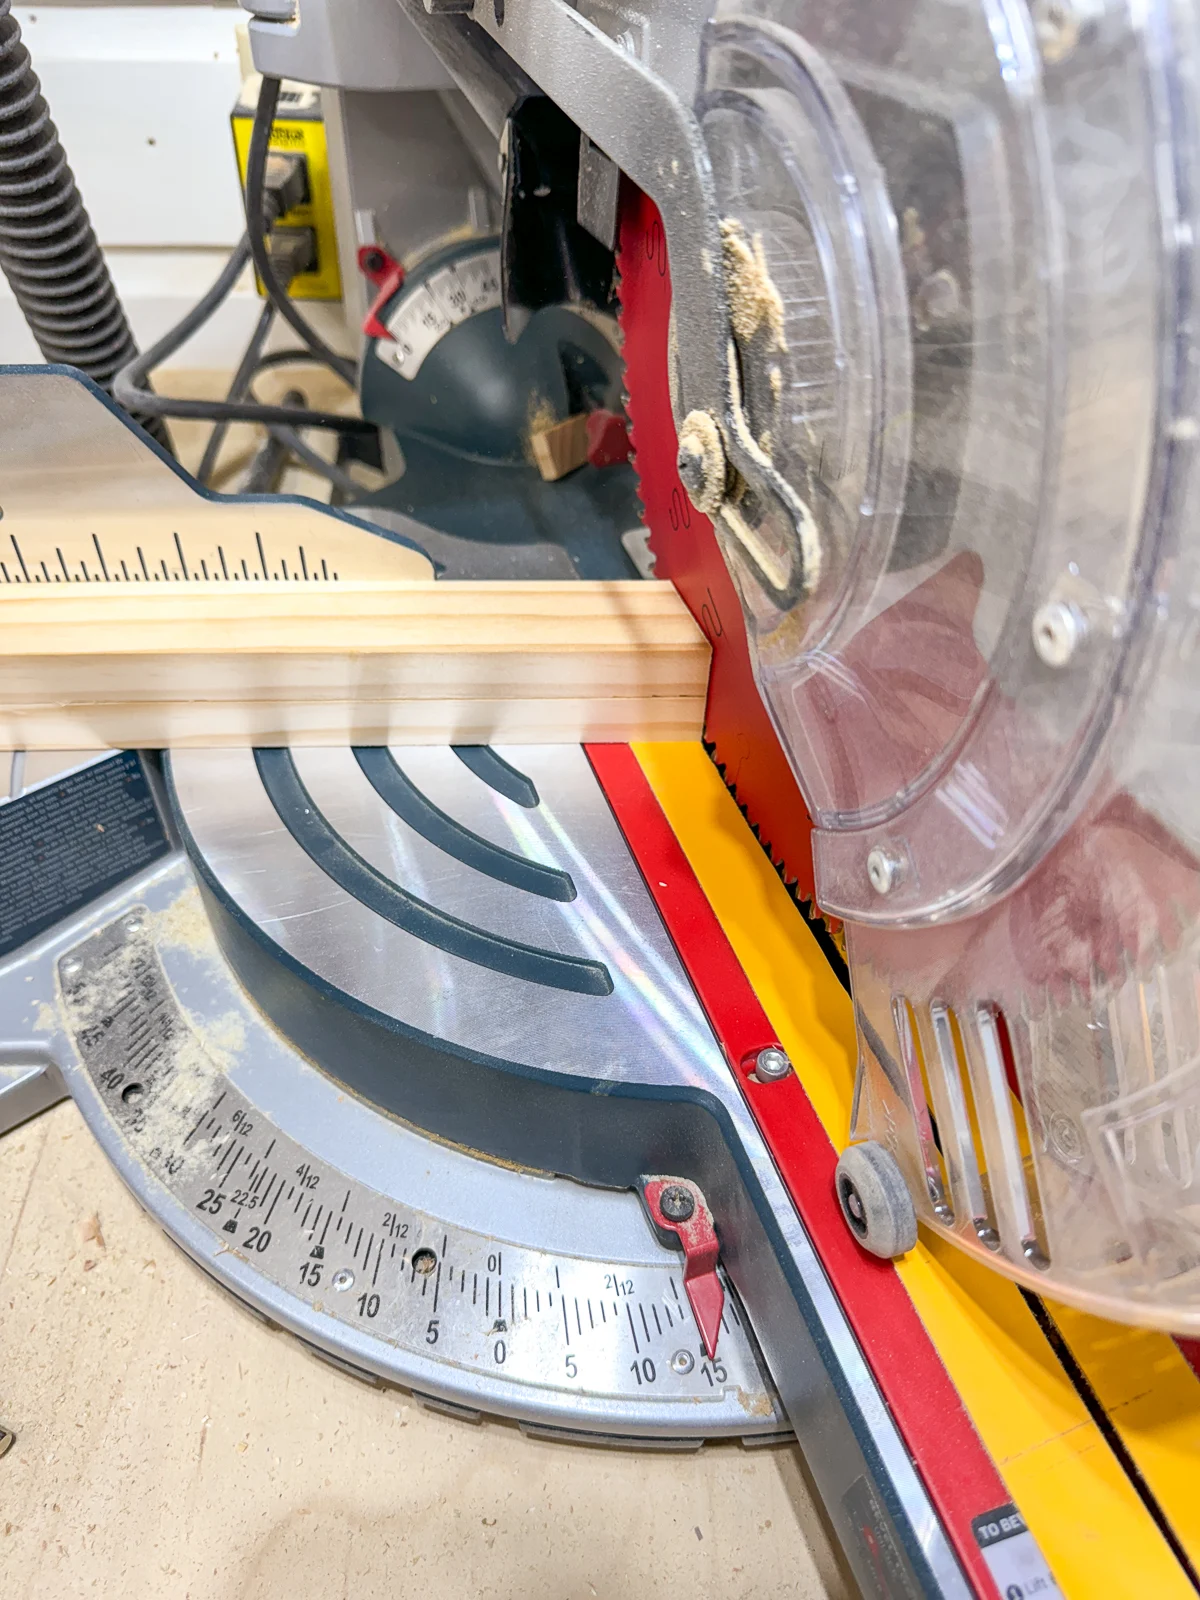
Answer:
[(299, 130)]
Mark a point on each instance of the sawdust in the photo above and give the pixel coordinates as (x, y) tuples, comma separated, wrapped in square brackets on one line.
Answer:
[(757, 1404), (763, 556), (754, 301), (541, 415), (700, 436), (224, 1038), (45, 1018), (184, 925), (164, 1121), (163, 1105), (90, 1231)]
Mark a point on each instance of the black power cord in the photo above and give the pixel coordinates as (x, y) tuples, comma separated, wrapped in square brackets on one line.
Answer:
[(247, 367), (274, 185), (268, 465), (258, 222), (346, 486), (131, 388)]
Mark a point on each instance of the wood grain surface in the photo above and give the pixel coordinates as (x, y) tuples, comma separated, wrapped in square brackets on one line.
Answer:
[(93, 665)]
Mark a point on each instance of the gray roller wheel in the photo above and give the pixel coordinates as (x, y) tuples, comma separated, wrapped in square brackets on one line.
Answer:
[(875, 1200)]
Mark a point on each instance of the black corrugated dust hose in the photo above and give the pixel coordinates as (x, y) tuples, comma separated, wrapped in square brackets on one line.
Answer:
[(48, 250)]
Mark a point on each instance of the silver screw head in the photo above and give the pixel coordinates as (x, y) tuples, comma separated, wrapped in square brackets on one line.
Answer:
[(771, 1064), (682, 1361), (71, 967), (884, 869), (1058, 631), (343, 1279), (132, 923)]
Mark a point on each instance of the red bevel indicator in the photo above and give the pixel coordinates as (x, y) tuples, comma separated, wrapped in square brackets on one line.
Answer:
[(387, 275), (680, 1213)]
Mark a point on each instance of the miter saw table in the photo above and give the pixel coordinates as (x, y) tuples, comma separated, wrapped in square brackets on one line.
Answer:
[(226, 1003)]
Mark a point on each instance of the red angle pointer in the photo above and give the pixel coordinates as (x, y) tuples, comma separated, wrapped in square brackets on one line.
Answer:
[(680, 1215)]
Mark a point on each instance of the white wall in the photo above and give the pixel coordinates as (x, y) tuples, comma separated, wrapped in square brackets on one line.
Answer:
[(141, 96)]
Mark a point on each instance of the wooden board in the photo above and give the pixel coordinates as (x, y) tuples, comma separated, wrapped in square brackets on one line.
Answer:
[(561, 448), (96, 665)]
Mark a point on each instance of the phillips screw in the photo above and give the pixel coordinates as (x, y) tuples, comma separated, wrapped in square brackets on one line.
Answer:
[(676, 1203)]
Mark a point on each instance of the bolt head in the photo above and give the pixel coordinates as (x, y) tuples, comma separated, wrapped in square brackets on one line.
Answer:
[(682, 1361), (691, 470), (676, 1203), (343, 1280), (937, 299), (701, 462), (1058, 631), (1065, 1137), (771, 1064), (884, 869)]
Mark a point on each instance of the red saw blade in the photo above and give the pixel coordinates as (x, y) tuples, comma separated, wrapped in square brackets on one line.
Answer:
[(686, 551)]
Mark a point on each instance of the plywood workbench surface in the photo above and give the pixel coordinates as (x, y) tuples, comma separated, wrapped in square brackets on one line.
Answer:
[(171, 1446)]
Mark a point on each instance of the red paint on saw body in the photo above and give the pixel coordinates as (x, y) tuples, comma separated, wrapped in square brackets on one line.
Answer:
[(683, 541)]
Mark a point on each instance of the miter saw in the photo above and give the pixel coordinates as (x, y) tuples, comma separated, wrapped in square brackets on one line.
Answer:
[(504, 1074)]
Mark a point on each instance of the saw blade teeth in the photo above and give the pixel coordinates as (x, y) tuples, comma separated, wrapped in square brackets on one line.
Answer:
[(827, 930)]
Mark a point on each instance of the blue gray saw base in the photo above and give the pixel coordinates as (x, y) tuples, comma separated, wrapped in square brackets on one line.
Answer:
[(479, 520), (463, 423)]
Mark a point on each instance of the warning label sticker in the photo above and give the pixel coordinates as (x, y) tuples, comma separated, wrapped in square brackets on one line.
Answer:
[(1012, 1555), (72, 840)]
